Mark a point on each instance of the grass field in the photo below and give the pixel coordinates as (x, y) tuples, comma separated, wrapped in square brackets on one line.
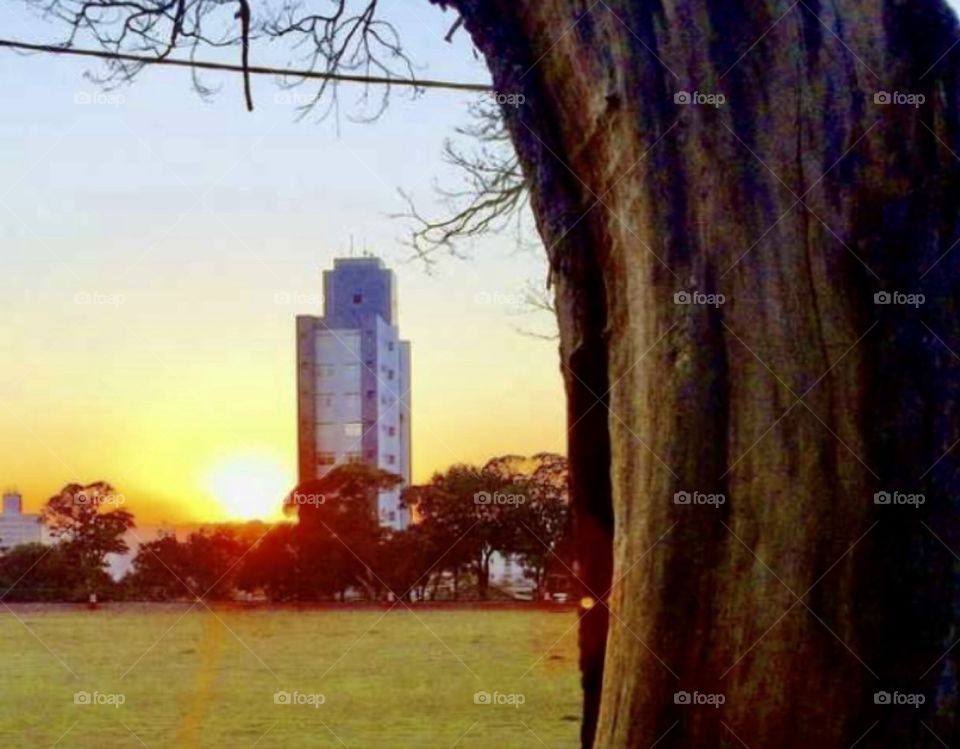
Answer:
[(192, 678)]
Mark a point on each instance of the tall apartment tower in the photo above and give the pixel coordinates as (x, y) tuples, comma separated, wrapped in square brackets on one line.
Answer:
[(353, 380)]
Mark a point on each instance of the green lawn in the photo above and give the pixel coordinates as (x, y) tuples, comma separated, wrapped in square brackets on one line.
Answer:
[(200, 679)]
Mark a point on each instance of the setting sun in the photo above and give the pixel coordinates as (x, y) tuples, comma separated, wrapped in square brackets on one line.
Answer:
[(249, 486)]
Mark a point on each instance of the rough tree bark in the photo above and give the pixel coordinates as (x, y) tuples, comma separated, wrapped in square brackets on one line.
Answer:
[(797, 399)]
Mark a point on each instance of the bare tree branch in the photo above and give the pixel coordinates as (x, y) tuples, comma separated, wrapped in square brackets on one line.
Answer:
[(347, 37), (453, 29), (537, 300), (244, 15), (492, 198)]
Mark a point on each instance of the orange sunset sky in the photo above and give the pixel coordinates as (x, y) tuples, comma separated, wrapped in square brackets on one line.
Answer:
[(157, 248)]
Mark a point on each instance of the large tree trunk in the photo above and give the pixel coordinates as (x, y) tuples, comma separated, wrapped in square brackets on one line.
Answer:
[(797, 399)]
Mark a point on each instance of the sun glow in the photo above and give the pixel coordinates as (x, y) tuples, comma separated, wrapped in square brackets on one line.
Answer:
[(249, 486)]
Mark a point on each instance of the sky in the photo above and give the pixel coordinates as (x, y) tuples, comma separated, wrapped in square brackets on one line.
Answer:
[(157, 247)]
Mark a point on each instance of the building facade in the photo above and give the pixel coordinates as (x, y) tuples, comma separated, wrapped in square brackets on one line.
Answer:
[(17, 528), (353, 380)]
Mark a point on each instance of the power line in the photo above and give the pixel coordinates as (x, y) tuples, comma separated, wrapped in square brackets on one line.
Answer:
[(252, 69)]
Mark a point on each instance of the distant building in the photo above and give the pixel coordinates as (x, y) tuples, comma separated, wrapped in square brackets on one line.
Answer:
[(353, 380), (17, 528)]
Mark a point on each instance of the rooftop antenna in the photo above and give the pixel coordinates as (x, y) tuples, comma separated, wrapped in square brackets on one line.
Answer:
[(353, 252)]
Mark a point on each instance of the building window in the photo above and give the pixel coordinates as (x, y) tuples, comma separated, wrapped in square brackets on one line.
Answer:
[(392, 431), (354, 457), (325, 400), (390, 375), (391, 460), (390, 346), (326, 459), (371, 394), (358, 297), (326, 370), (353, 429)]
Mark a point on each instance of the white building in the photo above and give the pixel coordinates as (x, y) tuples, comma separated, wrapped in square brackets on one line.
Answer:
[(353, 380), (17, 528)]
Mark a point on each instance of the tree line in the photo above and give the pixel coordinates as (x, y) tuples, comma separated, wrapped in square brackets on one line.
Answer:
[(463, 519)]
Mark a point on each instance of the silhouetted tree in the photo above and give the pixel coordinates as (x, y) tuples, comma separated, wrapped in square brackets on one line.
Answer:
[(205, 565), (473, 514), (543, 541), (35, 572), (404, 562), (211, 558), (338, 530), (158, 571), (272, 567), (89, 524), (544, 544)]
